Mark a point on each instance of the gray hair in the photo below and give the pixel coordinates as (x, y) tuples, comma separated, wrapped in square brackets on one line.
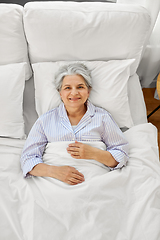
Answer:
[(73, 69)]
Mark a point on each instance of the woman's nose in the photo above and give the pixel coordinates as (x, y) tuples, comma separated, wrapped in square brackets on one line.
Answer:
[(74, 91)]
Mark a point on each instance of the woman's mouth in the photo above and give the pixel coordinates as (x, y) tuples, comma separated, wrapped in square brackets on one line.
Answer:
[(74, 99)]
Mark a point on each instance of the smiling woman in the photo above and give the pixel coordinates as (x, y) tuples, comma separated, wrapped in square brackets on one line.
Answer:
[(73, 81), (75, 118), (74, 94)]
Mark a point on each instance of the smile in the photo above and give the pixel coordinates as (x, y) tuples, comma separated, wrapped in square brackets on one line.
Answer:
[(74, 99)]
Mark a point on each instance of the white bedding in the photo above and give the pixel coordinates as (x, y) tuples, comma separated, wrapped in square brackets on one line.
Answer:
[(118, 205)]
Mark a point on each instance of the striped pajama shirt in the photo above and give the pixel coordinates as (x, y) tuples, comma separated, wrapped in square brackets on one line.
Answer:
[(96, 125)]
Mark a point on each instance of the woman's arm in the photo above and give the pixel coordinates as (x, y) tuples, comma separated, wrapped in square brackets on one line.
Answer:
[(33, 165), (65, 174), (115, 141), (33, 148), (105, 157), (84, 151), (116, 154)]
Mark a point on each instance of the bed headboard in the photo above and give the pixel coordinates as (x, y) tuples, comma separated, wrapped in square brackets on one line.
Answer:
[(85, 31)]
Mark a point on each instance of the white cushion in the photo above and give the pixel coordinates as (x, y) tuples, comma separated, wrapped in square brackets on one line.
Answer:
[(13, 45), (89, 31), (109, 87), (12, 83)]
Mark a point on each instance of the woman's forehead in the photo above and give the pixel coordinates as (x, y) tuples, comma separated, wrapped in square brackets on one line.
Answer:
[(73, 79)]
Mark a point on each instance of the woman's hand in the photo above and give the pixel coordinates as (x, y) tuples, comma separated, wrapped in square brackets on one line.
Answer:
[(81, 151), (65, 174), (68, 175), (84, 151)]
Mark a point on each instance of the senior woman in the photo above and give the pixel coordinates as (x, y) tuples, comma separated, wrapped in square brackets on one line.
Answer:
[(74, 118)]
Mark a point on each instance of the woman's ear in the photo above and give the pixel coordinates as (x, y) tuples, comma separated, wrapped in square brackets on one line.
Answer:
[(61, 95)]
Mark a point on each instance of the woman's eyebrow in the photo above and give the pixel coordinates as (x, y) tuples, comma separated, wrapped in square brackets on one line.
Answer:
[(66, 85), (81, 84), (77, 84)]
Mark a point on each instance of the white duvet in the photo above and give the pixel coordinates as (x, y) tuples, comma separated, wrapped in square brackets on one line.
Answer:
[(110, 205)]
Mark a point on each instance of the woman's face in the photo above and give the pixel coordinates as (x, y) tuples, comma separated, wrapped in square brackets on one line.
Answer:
[(74, 91)]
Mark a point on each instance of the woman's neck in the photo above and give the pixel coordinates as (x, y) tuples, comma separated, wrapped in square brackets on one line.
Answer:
[(75, 115)]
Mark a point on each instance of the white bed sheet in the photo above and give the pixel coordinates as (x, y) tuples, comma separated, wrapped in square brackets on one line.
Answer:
[(121, 204)]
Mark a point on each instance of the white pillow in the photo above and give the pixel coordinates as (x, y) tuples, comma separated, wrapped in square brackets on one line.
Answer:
[(13, 44), (12, 83), (109, 87)]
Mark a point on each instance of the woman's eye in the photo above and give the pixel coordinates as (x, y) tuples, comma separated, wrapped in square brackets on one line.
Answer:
[(80, 87), (67, 88)]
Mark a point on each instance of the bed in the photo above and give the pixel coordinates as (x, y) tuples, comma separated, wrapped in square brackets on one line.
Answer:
[(109, 38)]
